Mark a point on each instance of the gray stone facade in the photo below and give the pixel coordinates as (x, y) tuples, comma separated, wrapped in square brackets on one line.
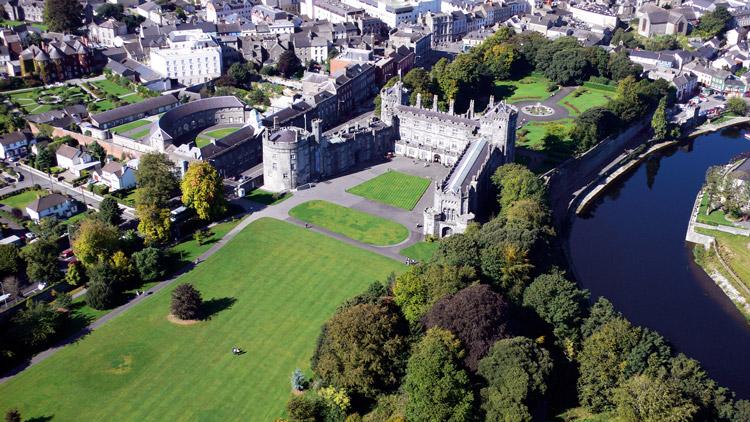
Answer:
[(473, 145), (293, 156)]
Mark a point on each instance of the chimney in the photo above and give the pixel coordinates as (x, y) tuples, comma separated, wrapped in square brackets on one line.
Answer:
[(450, 106), (419, 100), (471, 109), (492, 101), (434, 102)]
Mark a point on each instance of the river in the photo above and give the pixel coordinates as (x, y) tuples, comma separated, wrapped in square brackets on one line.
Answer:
[(630, 248)]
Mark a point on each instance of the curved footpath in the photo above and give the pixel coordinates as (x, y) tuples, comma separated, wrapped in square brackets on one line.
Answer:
[(333, 190)]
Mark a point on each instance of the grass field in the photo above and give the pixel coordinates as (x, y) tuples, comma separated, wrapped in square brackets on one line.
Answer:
[(267, 198), (23, 199), (220, 133), (536, 131), (393, 188), (421, 251), (716, 218), (354, 224), (190, 249), (27, 100), (587, 98), (202, 141), (139, 134), (130, 126), (139, 366), (112, 88), (533, 87)]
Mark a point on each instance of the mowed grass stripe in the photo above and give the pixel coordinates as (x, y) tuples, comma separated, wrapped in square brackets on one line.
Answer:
[(393, 188), (286, 281), (354, 224)]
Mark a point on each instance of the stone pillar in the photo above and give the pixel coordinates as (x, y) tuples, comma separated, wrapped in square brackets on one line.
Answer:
[(435, 102), (450, 107), (419, 100)]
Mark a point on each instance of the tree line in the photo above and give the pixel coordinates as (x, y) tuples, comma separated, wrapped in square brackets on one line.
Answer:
[(489, 329)]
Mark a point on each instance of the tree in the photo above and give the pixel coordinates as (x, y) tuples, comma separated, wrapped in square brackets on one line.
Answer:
[(110, 211), (714, 23), (648, 399), (516, 371), (50, 228), (517, 182), (63, 15), (154, 223), (35, 326), (627, 104), (476, 315), (76, 275), (289, 64), (437, 386), (150, 264), (203, 190), (104, 288), (98, 152), (559, 302), (620, 66), (459, 250), (95, 240), (601, 312), (737, 105), (45, 159), (305, 408), (41, 261), (186, 302), (298, 380), (507, 265), (659, 122), (416, 290), (13, 415), (109, 10), (568, 67), (592, 126), (362, 349), (10, 260)]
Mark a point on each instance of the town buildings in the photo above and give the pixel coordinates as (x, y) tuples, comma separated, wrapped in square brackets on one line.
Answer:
[(15, 145), (52, 205), (190, 57)]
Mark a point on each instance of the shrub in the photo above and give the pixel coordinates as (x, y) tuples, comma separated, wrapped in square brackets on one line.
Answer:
[(298, 380), (150, 264), (186, 302)]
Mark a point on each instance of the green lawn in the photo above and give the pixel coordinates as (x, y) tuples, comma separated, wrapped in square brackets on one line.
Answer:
[(393, 188), (28, 99), (354, 224), (716, 218), (735, 250), (190, 249), (112, 88), (133, 98), (140, 134), (267, 198), (536, 131), (220, 133), (130, 126), (23, 199), (202, 141), (270, 290), (11, 23), (421, 251), (533, 87), (586, 98)]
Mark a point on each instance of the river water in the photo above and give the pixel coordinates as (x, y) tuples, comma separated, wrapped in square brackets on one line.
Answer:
[(630, 248)]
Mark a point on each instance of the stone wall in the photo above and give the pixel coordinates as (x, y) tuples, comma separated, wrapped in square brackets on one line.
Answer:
[(112, 148)]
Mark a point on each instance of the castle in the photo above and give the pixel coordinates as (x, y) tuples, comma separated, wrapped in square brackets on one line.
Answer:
[(472, 145)]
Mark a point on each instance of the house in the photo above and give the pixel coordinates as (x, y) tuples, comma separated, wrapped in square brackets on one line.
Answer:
[(69, 157), (52, 205), (58, 59), (685, 85), (657, 21), (105, 33), (15, 145), (115, 175)]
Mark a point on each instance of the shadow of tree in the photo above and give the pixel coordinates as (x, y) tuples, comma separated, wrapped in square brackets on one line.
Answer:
[(212, 307), (40, 418)]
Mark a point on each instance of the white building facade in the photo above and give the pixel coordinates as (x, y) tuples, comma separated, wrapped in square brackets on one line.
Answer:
[(192, 57)]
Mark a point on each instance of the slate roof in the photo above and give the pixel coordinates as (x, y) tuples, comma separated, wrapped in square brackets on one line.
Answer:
[(46, 202), (131, 109)]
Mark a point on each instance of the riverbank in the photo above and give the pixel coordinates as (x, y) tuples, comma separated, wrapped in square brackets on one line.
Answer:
[(710, 127)]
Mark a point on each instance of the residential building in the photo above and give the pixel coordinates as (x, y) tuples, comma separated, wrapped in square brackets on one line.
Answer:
[(115, 175), (330, 10), (191, 57), (414, 37), (106, 33), (349, 57), (228, 11), (52, 205), (58, 59), (686, 84), (15, 145), (69, 157)]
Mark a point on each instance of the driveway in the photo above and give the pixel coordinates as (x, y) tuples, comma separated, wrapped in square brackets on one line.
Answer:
[(561, 111)]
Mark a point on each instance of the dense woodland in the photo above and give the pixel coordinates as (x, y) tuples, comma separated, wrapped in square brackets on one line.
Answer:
[(489, 329)]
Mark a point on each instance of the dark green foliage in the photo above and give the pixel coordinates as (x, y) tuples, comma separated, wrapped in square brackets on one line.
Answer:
[(652, 399), (10, 260), (437, 386), (659, 123), (41, 261), (104, 287), (45, 159), (289, 64), (559, 302), (362, 349), (569, 67), (35, 326), (156, 179), (13, 415), (186, 302), (109, 10), (305, 408), (592, 126), (516, 372), (422, 285), (97, 151), (601, 312), (620, 66), (737, 105), (714, 23), (459, 250), (63, 15), (110, 212), (476, 315), (373, 295), (517, 182), (76, 275), (150, 263)]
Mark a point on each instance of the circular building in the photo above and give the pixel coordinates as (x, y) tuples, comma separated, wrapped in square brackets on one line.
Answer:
[(182, 124), (288, 158)]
